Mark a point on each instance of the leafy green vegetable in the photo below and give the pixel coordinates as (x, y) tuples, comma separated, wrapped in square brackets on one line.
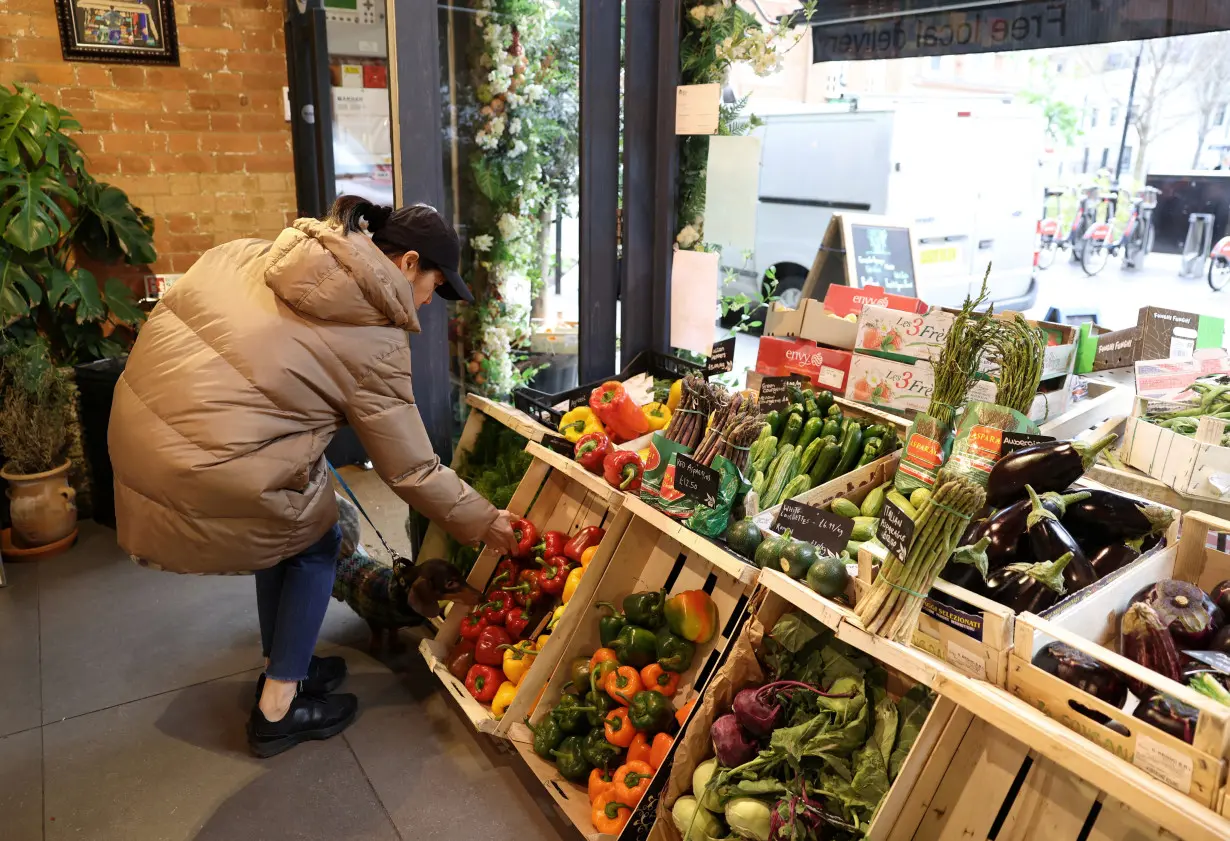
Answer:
[(795, 631), (912, 711)]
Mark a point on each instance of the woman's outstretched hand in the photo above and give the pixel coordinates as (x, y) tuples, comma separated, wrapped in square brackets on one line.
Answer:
[(500, 535)]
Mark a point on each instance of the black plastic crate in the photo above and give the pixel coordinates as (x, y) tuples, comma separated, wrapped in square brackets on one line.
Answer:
[(541, 406)]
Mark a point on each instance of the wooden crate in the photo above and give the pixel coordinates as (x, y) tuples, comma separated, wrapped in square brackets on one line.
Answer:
[(853, 486), (1102, 402), (646, 558), (772, 605), (1197, 770), (552, 498)]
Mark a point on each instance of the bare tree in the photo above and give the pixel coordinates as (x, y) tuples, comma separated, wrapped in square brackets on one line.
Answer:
[(1165, 67), (1210, 88)]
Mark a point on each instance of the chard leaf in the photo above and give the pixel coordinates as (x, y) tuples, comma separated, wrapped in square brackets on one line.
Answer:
[(884, 734), (795, 631), (912, 711)]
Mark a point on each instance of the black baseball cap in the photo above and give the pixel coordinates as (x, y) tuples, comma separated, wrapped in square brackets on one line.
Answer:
[(421, 228)]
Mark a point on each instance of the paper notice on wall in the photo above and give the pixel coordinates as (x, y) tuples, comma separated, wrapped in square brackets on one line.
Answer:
[(732, 185), (696, 108), (694, 277)]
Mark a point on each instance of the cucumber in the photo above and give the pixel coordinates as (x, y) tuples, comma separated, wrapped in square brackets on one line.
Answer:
[(873, 502), (844, 508), (809, 454), (825, 462), (799, 484)]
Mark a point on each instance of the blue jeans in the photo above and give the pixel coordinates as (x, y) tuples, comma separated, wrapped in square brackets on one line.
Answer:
[(291, 599)]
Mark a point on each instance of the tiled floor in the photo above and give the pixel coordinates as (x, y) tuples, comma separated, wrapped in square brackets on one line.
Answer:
[(123, 695)]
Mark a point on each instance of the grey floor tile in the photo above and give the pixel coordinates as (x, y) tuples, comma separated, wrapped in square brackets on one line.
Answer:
[(384, 507), (19, 667), (424, 760), (175, 768), (21, 786)]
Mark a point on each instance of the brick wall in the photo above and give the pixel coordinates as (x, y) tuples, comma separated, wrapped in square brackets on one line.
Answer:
[(203, 147)]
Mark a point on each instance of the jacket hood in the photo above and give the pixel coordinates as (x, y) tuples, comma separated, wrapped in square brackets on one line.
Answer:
[(323, 273)]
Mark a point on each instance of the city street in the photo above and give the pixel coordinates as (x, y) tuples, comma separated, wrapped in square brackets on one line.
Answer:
[(1116, 295)]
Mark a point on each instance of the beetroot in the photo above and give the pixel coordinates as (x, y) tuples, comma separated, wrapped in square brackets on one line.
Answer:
[(731, 743)]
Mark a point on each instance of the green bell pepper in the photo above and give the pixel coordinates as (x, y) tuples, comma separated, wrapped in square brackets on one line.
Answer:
[(600, 753), (645, 609), (597, 675), (579, 672), (635, 647), (569, 714), (547, 735), (651, 712), (610, 626), (602, 704), (570, 759), (674, 652)]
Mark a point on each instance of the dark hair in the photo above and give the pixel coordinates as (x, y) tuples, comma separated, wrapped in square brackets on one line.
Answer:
[(354, 214)]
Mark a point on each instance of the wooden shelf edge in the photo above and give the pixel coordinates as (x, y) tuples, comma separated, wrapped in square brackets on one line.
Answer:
[(728, 563)]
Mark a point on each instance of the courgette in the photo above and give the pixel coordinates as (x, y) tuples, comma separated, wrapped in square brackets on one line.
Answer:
[(824, 400), (775, 467), (799, 484), (871, 452), (873, 502), (809, 454), (758, 482), (863, 531), (851, 446), (811, 431), (784, 472), (810, 409), (825, 462), (831, 429), (844, 508), (833, 411), (793, 428), (878, 430)]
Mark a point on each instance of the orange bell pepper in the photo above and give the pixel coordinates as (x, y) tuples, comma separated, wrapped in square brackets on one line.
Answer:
[(610, 816), (587, 556), (619, 730), (623, 684), (661, 747), (602, 655), (632, 781), (656, 679), (640, 749), (600, 782), (682, 715)]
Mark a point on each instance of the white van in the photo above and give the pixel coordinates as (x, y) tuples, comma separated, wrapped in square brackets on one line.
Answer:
[(964, 178)]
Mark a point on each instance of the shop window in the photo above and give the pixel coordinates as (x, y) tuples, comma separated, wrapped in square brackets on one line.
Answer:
[(1105, 158), (1085, 161), (1220, 119), (1093, 118), (1114, 115)]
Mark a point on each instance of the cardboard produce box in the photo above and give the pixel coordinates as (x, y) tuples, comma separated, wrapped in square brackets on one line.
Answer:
[(833, 322), (825, 367), (900, 386), (1159, 334)]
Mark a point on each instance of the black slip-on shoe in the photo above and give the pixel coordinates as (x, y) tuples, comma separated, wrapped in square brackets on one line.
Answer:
[(325, 675), (310, 717)]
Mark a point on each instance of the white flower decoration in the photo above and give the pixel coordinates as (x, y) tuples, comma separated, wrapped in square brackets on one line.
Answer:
[(518, 149), (482, 242), (514, 126), (508, 225), (688, 237)]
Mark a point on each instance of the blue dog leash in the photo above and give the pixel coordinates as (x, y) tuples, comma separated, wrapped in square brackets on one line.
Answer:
[(397, 559)]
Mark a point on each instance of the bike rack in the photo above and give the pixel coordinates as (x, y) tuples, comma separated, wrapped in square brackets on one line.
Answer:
[(1197, 245)]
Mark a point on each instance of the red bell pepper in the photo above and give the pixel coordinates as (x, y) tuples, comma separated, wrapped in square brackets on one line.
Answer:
[(618, 412), (552, 544), (461, 658), (495, 609), (487, 651), (554, 575), (623, 469), (582, 540), (526, 534), (518, 622), (473, 625), (590, 450), (505, 573), (528, 589), (483, 682)]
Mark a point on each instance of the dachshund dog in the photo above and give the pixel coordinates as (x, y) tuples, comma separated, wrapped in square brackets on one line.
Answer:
[(389, 598)]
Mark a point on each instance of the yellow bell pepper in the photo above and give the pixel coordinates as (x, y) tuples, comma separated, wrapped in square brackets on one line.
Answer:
[(587, 556), (674, 395), (503, 698), (574, 581), (579, 421), (517, 661), (657, 415), (555, 616), (542, 640)]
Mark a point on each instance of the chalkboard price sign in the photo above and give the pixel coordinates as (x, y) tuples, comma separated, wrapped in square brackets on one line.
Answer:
[(1019, 440), (773, 394), (721, 358), (828, 531), (882, 256), (696, 481), (896, 529)]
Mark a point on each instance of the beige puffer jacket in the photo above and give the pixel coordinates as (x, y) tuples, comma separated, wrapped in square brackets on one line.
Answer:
[(237, 383)]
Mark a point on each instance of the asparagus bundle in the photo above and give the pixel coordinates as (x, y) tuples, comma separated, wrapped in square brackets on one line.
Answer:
[(1018, 349), (892, 606), (688, 421), (732, 431)]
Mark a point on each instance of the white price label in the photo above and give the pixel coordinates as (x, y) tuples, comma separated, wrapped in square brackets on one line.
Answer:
[(966, 660), (1167, 764), (831, 377)]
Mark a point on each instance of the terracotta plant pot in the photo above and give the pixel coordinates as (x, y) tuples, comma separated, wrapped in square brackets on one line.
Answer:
[(43, 506)]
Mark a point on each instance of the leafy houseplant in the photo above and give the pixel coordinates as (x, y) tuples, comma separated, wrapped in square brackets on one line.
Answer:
[(36, 409), (52, 214)]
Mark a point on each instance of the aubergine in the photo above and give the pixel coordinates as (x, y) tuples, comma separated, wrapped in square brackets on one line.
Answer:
[(1049, 539), (1113, 557), (1169, 715), (1185, 610), (1220, 594), (1082, 671), (1047, 467), (1108, 517), (1220, 641), (1151, 540), (1143, 639), (1028, 587)]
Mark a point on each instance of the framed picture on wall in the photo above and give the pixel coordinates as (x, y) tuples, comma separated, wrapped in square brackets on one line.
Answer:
[(118, 31)]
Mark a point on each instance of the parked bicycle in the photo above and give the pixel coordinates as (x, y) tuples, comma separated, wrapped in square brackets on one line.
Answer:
[(1086, 216), (1219, 265), (1097, 244), (1049, 240)]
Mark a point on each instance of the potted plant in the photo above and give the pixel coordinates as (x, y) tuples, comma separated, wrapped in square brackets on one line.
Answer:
[(36, 404), (55, 220)]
